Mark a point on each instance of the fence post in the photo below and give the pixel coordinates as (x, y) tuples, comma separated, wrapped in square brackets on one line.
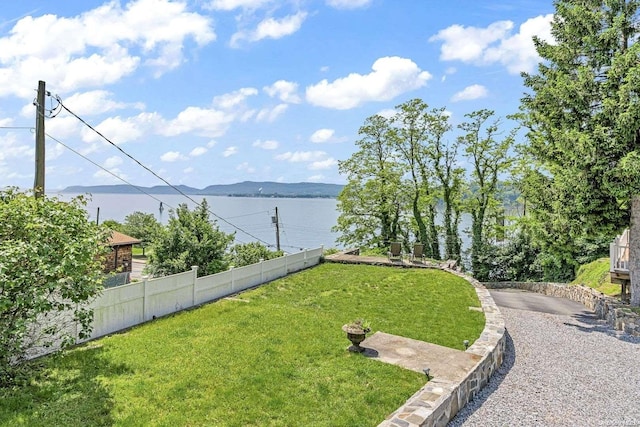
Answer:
[(232, 280), (145, 297), (286, 265), (304, 265), (194, 269), (261, 270)]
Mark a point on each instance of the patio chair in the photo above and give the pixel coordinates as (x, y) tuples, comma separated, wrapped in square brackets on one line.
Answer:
[(395, 251), (418, 252)]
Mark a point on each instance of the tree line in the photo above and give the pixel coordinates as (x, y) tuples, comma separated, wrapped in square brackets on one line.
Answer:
[(407, 167), (577, 168), (189, 238)]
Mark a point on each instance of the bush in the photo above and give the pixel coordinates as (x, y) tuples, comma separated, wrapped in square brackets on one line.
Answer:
[(50, 264)]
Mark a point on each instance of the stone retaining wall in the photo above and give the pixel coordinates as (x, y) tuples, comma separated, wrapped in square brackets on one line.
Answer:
[(617, 314), (439, 401)]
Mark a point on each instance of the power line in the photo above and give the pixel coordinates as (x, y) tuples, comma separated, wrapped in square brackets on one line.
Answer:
[(18, 127), (107, 170), (155, 174)]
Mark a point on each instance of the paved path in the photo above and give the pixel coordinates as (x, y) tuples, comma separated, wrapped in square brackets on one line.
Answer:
[(137, 265), (563, 367)]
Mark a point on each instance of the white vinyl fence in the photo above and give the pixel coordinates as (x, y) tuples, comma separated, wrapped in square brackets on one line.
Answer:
[(129, 305)]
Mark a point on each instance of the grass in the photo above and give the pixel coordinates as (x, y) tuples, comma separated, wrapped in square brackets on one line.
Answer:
[(137, 251), (596, 275), (273, 356)]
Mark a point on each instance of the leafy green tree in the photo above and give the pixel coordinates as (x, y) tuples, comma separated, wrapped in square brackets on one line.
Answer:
[(190, 238), (50, 266), (370, 204), (489, 158), (449, 178), (142, 226), (251, 253), (114, 225), (583, 117), (409, 136)]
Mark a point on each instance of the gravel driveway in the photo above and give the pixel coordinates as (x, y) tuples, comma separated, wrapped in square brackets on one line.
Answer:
[(560, 370)]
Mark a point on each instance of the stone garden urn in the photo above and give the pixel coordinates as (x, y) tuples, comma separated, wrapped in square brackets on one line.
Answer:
[(356, 333)]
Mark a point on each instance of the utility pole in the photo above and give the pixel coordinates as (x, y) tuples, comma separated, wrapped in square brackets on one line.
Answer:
[(276, 221), (38, 183)]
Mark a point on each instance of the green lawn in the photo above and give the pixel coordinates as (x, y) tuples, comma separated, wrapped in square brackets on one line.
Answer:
[(274, 356), (596, 275)]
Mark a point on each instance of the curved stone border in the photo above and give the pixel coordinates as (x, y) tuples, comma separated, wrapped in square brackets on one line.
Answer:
[(616, 313), (439, 401)]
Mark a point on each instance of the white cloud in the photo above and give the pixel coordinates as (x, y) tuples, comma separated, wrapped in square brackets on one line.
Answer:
[(323, 164), (198, 151), (495, 43), (391, 76), (234, 99), (348, 4), (112, 162), (201, 121), (470, 92), (10, 148), (108, 176), (228, 5), (230, 151), (322, 135), (188, 170), (316, 178), (271, 114), (211, 143), (271, 28), (120, 130), (387, 113), (63, 127), (92, 102), (172, 156), (302, 156), (245, 167), (108, 43), (269, 144), (284, 90)]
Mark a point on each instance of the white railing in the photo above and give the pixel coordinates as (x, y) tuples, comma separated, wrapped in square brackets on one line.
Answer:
[(128, 305), (619, 253)]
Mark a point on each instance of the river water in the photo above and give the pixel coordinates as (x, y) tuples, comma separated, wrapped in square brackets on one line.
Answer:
[(304, 223)]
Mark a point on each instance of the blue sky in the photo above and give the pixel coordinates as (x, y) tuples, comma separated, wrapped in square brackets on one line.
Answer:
[(221, 91)]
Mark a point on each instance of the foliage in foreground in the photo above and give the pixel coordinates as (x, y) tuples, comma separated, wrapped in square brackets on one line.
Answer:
[(142, 226), (50, 263), (274, 356), (189, 239), (250, 253)]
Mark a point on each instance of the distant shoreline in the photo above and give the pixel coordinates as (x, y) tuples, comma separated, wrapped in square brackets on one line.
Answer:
[(305, 190)]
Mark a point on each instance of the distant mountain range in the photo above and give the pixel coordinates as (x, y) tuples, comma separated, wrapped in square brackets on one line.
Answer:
[(240, 189)]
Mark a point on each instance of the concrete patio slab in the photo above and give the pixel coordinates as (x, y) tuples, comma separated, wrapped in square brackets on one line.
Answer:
[(443, 362)]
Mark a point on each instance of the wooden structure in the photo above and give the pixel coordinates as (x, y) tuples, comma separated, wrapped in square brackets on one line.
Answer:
[(619, 262), (119, 259)]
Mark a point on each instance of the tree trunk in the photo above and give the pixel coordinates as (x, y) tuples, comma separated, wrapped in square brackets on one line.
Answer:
[(634, 251)]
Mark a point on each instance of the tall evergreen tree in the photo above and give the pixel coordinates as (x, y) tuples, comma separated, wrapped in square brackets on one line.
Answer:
[(583, 116)]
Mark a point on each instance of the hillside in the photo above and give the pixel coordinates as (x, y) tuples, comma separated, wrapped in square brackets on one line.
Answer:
[(241, 189)]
